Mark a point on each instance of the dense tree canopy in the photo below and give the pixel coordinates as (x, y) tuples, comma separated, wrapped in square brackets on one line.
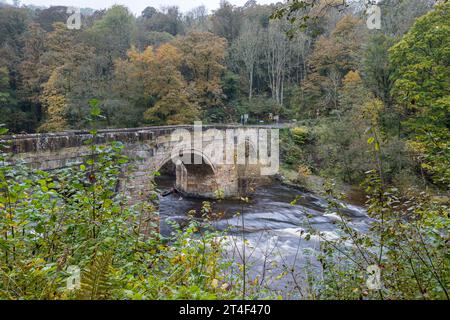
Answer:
[(422, 87)]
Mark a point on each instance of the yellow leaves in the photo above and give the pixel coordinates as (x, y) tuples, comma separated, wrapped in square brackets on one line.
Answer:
[(225, 286), (300, 131), (352, 77), (55, 104), (36, 263), (300, 134), (416, 147), (203, 54), (371, 111), (146, 57), (179, 259), (346, 27), (304, 171), (169, 55), (156, 72), (175, 108)]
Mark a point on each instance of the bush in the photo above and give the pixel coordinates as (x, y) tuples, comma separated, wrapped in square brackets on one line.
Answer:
[(301, 135)]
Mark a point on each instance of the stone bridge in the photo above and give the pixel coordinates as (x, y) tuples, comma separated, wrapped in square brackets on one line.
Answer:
[(201, 169)]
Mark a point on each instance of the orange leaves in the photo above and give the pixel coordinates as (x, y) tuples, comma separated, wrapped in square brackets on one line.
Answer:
[(352, 77), (177, 77), (156, 71), (203, 55), (168, 54)]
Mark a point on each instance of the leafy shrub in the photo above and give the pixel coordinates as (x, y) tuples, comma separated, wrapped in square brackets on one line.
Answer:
[(301, 135)]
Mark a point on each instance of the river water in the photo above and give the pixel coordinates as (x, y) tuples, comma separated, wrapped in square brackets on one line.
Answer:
[(274, 231)]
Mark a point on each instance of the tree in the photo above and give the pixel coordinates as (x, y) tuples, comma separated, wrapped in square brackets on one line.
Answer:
[(421, 88), (276, 49), (246, 49), (226, 21), (353, 93), (149, 12), (168, 20), (7, 101), (54, 101), (202, 65), (332, 58), (377, 69), (175, 107), (399, 15), (59, 44), (46, 18), (303, 14), (56, 76), (113, 35), (13, 26), (197, 19), (152, 38), (153, 77), (30, 78)]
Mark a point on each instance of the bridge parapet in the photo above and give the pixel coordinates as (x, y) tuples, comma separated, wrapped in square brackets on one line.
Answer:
[(149, 148), (41, 142)]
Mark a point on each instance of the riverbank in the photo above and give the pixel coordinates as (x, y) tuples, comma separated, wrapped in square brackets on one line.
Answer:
[(354, 194)]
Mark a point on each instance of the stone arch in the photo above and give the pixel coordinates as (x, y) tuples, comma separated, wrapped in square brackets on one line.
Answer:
[(192, 151), (197, 180)]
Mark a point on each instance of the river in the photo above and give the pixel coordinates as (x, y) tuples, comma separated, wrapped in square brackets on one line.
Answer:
[(274, 230)]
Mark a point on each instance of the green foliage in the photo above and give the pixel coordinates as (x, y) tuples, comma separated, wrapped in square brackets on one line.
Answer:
[(297, 149), (377, 68), (301, 135), (113, 34), (421, 88), (168, 20), (259, 108)]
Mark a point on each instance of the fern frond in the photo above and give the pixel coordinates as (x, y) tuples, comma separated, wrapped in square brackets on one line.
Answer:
[(95, 283)]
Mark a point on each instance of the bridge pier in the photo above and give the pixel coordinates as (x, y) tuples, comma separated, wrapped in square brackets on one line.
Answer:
[(202, 181)]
